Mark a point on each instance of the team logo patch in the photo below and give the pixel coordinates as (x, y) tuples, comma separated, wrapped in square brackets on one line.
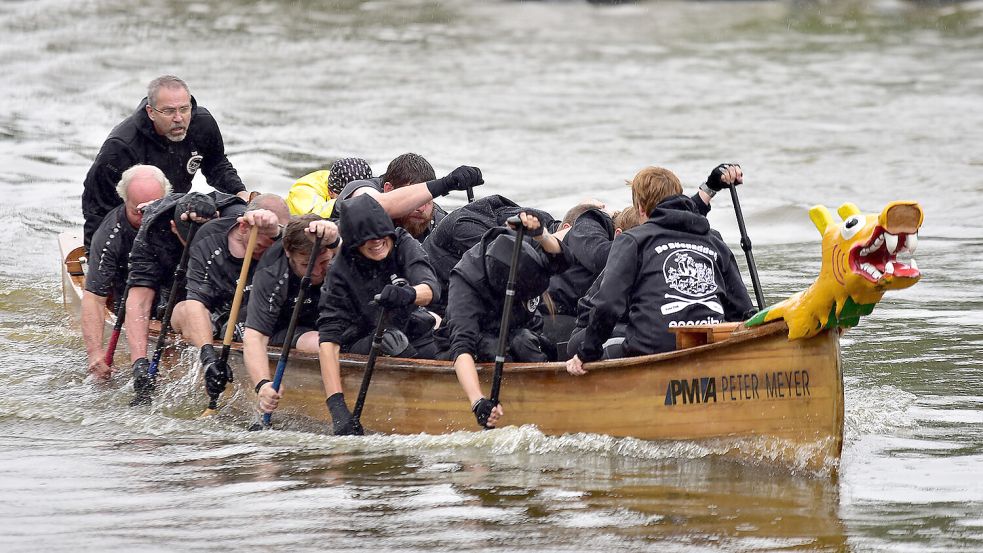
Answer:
[(690, 273), (194, 163), (532, 304)]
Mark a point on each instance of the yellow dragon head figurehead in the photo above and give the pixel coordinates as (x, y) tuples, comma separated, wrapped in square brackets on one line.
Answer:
[(863, 256)]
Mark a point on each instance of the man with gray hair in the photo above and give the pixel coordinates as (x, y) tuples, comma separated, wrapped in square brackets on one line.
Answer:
[(168, 130), (106, 276)]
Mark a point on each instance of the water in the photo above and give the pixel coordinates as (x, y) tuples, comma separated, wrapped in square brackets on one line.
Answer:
[(820, 102)]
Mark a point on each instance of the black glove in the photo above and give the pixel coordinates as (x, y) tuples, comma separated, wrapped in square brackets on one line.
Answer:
[(713, 181), (217, 372), (143, 384), (538, 231), (514, 222), (482, 410), (342, 422), (462, 178), (394, 342), (394, 297), (201, 204)]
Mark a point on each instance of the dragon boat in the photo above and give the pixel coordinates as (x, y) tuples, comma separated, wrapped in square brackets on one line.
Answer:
[(775, 380)]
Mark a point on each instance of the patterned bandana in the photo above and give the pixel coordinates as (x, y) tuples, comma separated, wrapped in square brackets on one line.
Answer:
[(346, 170)]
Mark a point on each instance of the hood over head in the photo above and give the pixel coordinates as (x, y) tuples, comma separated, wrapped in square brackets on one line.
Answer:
[(533, 274), (363, 219), (679, 212)]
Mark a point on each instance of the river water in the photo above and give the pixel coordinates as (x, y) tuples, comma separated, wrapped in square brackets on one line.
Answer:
[(821, 102)]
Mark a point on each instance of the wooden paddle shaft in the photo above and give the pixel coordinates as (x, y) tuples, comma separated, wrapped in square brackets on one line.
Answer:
[(240, 287), (234, 313)]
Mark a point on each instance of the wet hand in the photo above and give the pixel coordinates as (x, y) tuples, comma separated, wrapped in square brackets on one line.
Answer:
[(487, 413), (269, 398), (99, 369), (725, 175), (265, 219), (532, 224), (327, 231), (575, 366)]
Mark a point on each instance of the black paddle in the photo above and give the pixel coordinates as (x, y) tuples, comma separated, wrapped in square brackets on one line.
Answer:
[(114, 338), (746, 246), (288, 340), (380, 330), (503, 332), (145, 389)]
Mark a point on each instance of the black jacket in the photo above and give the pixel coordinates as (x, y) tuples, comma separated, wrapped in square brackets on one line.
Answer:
[(213, 271), (463, 228), (345, 312), (156, 250), (108, 260), (474, 307), (671, 270), (135, 141), (589, 241), (274, 295)]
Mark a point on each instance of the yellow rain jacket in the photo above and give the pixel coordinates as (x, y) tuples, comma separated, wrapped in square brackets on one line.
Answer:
[(310, 195)]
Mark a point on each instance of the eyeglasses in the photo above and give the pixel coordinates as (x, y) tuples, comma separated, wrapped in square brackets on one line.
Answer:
[(169, 112)]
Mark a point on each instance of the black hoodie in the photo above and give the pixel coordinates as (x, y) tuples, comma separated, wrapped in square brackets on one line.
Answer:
[(474, 304), (156, 250), (589, 241), (673, 270), (135, 141), (345, 314)]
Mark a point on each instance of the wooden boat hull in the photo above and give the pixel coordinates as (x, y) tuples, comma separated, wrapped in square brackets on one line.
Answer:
[(743, 383)]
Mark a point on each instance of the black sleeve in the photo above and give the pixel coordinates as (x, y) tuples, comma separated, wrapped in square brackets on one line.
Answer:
[(146, 269), (337, 311), (701, 206), (218, 170), (589, 240), (559, 262), (99, 189), (198, 286), (612, 296), (270, 287), (413, 261), (736, 302), (464, 312), (105, 259)]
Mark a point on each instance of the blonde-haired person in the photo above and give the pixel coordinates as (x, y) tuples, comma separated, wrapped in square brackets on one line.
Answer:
[(671, 270)]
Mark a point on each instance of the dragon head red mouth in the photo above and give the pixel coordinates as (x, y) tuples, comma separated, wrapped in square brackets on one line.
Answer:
[(878, 260)]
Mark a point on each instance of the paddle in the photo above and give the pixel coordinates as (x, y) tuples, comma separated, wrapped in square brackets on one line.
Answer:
[(288, 340), (144, 390), (746, 246), (503, 332), (230, 326), (470, 194), (380, 330), (114, 338)]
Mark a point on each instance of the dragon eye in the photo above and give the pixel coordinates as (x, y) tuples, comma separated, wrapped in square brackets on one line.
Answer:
[(851, 226)]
